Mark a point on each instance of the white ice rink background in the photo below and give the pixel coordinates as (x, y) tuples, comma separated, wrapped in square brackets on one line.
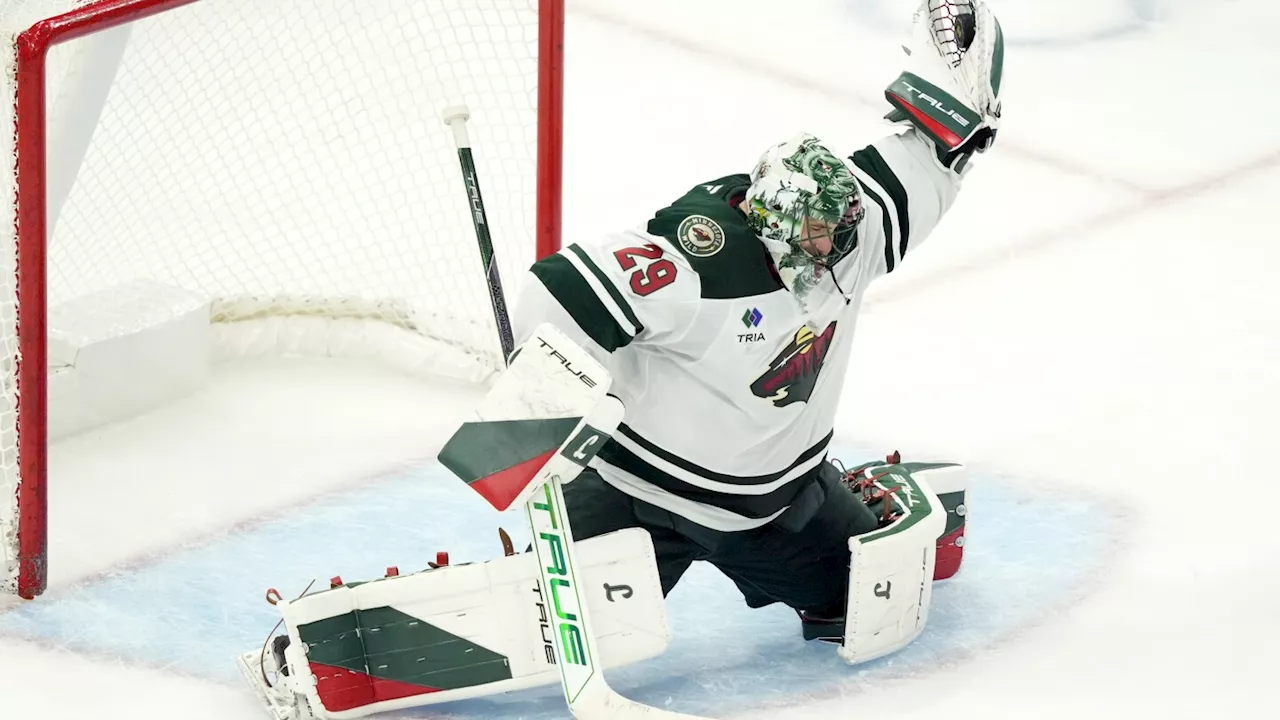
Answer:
[(1092, 330)]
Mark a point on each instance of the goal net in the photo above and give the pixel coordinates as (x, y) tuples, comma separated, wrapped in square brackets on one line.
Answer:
[(194, 180)]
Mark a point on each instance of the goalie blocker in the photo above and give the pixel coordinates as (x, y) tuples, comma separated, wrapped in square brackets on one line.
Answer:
[(456, 632)]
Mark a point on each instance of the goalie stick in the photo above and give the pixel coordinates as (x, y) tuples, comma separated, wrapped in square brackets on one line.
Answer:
[(581, 675)]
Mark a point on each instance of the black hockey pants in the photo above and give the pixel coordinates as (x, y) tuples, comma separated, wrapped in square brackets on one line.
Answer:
[(806, 569)]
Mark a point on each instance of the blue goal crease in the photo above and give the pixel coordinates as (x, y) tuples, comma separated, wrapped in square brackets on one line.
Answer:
[(197, 609)]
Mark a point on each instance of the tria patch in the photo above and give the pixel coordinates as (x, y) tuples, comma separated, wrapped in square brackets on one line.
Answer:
[(793, 374), (700, 236)]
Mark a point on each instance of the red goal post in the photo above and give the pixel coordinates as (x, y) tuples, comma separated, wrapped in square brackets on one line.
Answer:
[(324, 214)]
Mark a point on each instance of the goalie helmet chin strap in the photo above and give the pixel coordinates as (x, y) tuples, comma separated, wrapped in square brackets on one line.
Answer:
[(831, 271)]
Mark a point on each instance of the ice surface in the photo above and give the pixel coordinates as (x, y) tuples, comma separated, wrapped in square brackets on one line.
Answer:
[(1092, 329), (193, 610)]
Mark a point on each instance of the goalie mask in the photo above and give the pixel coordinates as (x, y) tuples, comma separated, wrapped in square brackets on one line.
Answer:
[(805, 205)]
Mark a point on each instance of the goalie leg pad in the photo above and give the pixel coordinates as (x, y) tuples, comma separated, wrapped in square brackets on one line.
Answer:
[(454, 633), (891, 570), (951, 487)]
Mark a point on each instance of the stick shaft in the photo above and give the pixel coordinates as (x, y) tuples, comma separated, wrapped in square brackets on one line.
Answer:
[(581, 670), (457, 119)]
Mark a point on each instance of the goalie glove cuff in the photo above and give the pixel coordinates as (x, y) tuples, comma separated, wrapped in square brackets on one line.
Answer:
[(945, 120), (958, 160)]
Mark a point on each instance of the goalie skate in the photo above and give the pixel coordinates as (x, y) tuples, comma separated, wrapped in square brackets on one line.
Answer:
[(267, 674)]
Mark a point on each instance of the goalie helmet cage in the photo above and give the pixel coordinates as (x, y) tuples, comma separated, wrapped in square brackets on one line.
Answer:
[(285, 160)]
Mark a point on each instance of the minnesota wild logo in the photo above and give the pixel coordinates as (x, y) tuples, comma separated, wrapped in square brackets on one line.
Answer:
[(793, 374), (700, 236)]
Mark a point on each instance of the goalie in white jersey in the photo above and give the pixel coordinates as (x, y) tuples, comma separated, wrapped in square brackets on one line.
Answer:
[(726, 326), (727, 322)]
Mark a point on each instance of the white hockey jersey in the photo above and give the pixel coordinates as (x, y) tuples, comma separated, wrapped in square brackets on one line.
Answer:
[(730, 384)]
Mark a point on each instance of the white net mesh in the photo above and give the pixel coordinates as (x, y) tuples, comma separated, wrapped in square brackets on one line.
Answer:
[(287, 159)]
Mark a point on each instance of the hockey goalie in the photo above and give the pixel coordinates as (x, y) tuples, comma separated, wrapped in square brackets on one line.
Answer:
[(672, 399)]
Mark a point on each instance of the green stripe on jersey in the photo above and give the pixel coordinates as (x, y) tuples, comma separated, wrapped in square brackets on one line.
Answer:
[(871, 162), (886, 224), (608, 285), (575, 295)]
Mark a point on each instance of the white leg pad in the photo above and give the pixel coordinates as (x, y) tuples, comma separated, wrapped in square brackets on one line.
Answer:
[(891, 573), (494, 610)]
